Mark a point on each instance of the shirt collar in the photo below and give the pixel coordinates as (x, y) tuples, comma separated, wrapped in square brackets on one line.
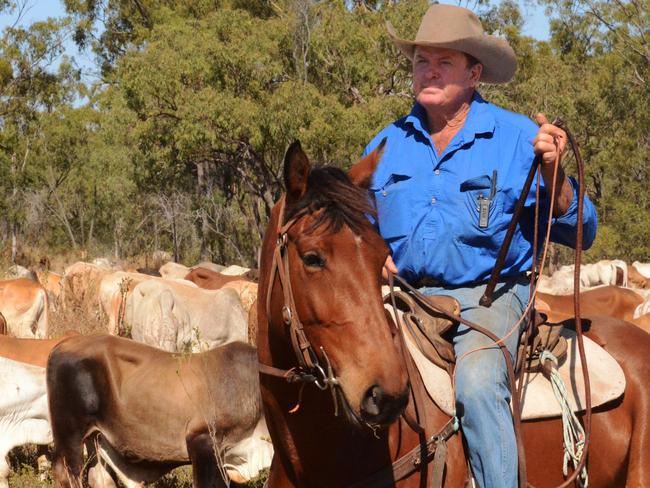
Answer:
[(479, 119)]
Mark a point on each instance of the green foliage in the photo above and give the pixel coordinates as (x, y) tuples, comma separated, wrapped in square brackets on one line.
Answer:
[(180, 147)]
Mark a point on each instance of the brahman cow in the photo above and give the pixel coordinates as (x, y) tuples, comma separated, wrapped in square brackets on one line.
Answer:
[(636, 279), (176, 317), (24, 415), (24, 305), (643, 268), (151, 411), (17, 271), (80, 287), (115, 287), (52, 283), (605, 300), (217, 268), (210, 280), (605, 272), (235, 270), (172, 270)]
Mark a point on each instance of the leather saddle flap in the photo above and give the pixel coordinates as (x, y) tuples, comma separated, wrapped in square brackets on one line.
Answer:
[(607, 379)]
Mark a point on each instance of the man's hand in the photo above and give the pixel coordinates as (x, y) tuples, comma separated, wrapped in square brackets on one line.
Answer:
[(546, 139), (551, 142), (389, 265)]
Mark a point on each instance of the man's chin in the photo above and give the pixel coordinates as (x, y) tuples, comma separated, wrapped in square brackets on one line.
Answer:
[(430, 100)]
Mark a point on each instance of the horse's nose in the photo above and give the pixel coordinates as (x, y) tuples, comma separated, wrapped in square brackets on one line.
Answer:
[(379, 408)]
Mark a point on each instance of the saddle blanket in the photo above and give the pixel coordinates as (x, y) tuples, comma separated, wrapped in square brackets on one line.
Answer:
[(606, 379)]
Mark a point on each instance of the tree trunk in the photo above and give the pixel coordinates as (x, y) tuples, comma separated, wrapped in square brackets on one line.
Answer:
[(174, 236), (14, 242)]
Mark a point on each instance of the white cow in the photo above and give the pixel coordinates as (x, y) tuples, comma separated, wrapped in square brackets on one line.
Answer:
[(24, 414), (115, 287), (604, 272), (175, 317), (217, 268), (643, 268), (172, 270), (234, 270)]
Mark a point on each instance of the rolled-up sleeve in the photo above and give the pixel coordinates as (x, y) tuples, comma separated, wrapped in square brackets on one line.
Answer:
[(564, 228)]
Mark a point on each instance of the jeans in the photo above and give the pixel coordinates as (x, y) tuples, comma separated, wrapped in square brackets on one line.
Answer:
[(482, 388)]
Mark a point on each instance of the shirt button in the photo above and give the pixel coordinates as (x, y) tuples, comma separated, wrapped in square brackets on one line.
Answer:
[(384, 193), (436, 172), (433, 200)]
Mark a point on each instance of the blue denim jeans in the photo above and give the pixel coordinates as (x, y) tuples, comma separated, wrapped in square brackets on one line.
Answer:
[(482, 389)]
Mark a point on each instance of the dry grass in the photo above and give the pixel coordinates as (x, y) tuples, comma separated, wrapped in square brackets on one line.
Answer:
[(25, 474)]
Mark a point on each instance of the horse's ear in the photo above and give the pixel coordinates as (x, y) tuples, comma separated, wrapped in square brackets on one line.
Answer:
[(296, 171), (361, 173)]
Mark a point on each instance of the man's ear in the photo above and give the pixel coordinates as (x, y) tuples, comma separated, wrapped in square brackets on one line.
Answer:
[(296, 171), (477, 71), (361, 173)]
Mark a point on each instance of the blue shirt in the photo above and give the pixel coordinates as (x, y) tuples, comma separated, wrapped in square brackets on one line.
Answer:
[(428, 206)]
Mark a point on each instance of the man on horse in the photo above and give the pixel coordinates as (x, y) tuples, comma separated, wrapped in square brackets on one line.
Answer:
[(445, 191)]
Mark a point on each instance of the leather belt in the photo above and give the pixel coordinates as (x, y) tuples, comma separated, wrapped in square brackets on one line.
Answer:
[(427, 281)]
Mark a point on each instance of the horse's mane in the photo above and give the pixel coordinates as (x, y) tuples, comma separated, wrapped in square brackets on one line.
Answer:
[(342, 202)]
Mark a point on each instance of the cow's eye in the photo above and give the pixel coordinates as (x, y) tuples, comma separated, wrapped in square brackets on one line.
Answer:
[(313, 260)]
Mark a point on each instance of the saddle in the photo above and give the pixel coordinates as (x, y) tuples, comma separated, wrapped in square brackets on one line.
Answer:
[(431, 332), (428, 340)]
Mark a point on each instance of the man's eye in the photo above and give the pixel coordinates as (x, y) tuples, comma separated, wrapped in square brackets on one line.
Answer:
[(313, 260)]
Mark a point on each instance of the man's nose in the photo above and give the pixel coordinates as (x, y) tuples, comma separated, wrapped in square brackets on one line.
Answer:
[(432, 73)]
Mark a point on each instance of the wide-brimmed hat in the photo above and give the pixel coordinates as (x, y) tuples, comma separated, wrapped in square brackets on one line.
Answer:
[(452, 27)]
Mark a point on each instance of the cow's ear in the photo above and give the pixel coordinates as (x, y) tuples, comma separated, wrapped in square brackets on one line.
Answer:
[(361, 173), (296, 171)]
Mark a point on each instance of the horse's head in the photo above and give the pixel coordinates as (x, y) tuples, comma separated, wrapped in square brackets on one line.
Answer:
[(334, 258)]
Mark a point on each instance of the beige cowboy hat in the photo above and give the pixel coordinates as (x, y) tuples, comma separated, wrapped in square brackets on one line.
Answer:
[(452, 27)]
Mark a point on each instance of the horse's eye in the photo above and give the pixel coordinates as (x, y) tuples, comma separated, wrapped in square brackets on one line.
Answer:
[(313, 260)]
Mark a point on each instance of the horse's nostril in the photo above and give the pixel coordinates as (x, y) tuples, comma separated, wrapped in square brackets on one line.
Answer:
[(379, 408), (372, 401)]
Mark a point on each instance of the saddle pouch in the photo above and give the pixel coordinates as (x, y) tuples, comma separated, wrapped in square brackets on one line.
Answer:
[(546, 337), (427, 327)]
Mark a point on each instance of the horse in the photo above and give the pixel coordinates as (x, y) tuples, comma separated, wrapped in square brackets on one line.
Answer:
[(319, 304)]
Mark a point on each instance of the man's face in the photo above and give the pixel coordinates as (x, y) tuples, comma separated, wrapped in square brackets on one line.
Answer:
[(441, 77)]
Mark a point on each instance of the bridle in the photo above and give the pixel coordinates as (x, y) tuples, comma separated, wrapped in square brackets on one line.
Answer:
[(309, 369)]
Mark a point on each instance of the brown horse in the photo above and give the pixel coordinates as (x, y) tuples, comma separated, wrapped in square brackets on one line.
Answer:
[(334, 260)]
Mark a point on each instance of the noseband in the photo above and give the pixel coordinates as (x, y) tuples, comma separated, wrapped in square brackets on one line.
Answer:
[(309, 369)]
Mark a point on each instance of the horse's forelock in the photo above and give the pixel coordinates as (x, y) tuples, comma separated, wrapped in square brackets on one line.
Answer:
[(343, 203)]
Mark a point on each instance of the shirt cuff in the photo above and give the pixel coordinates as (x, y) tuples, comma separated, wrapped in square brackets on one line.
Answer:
[(570, 217)]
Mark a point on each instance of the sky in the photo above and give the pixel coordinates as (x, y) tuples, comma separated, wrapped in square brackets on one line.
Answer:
[(536, 25)]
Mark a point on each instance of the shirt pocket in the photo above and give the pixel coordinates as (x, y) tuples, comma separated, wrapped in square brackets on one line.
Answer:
[(394, 209), (470, 232)]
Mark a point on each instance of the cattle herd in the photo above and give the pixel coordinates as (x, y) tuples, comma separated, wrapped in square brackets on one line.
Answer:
[(160, 382), (169, 380)]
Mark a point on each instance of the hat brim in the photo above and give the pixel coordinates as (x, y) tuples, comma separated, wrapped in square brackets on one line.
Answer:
[(495, 54)]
